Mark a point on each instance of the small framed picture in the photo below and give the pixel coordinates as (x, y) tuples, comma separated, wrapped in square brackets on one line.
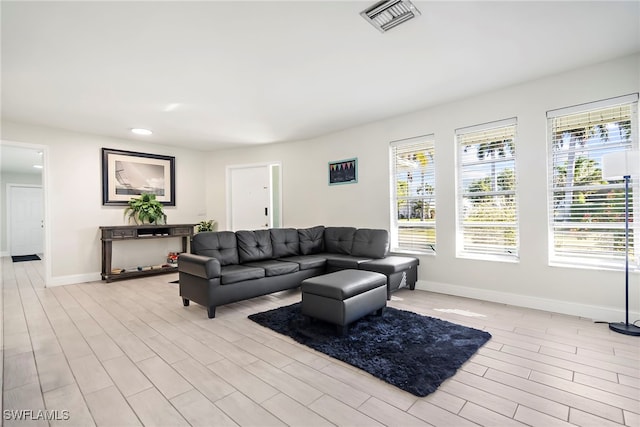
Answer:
[(343, 172), (127, 174)]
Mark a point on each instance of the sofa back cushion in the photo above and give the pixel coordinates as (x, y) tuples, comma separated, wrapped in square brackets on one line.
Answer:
[(339, 240), (217, 244), (254, 245), (285, 242), (311, 240), (370, 243)]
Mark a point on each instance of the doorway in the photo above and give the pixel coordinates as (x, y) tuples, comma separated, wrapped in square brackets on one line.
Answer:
[(23, 223), (254, 197)]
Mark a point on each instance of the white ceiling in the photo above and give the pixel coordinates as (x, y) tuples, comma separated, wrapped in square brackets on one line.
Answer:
[(20, 160), (214, 74)]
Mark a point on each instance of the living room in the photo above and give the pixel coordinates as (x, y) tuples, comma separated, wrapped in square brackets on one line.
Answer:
[(72, 171), (73, 234)]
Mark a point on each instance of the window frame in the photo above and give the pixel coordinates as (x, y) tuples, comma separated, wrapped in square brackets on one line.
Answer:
[(429, 227), (584, 260), (464, 137)]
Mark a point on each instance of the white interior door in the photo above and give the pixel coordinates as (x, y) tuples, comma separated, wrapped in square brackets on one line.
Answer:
[(26, 217), (250, 198)]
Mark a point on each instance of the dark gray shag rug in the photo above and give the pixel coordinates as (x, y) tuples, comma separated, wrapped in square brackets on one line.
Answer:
[(413, 352)]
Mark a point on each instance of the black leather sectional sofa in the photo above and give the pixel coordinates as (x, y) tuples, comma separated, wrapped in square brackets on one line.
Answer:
[(226, 266)]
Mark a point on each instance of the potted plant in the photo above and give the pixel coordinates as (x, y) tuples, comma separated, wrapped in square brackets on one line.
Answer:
[(145, 209), (206, 225)]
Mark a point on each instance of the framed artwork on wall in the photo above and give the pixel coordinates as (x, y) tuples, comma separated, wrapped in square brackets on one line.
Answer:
[(343, 171), (127, 174)]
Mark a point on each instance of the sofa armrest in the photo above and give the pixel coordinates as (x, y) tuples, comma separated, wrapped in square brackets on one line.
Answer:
[(198, 265)]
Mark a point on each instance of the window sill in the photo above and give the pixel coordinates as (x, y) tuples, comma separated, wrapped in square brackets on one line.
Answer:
[(412, 253), (599, 267)]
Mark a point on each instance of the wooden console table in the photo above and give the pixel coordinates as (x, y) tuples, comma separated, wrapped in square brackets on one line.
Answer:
[(110, 234)]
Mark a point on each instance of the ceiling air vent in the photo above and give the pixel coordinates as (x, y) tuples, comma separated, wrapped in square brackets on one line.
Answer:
[(386, 14)]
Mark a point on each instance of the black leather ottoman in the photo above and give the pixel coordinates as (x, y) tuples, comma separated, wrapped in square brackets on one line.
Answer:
[(344, 296)]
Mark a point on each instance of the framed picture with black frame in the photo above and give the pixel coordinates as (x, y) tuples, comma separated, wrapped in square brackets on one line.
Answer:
[(127, 174), (343, 171)]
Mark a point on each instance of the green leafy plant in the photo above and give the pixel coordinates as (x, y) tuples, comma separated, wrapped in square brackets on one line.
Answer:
[(206, 225), (145, 209)]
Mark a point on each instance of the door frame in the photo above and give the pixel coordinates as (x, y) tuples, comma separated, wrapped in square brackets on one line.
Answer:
[(272, 190), (46, 179)]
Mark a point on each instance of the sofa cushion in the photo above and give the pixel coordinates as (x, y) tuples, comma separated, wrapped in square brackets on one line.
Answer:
[(370, 243), (254, 245), (239, 273), (220, 245), (339, 240), (274, 267), (341, 261), (311, 240), (307, 262), (285, 242)]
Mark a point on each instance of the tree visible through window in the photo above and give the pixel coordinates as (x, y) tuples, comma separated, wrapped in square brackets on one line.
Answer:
[(414, 191), (586, 211), (487, 203)]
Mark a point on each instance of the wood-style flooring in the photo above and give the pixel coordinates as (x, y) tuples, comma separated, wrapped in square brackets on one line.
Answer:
[(128, 353)]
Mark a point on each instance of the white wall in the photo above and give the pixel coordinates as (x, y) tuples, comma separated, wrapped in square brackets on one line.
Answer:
[(308, 200), (74, 207)]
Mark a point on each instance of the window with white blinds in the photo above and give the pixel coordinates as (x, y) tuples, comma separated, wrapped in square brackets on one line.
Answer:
[(413, 195), (487, 202), (587, 212)]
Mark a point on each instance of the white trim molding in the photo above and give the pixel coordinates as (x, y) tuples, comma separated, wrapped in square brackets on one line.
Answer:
[(597, 313), (73, 279)]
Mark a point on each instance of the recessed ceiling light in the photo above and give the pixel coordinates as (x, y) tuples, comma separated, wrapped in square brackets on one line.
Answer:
[(37, 166), (140, 131)]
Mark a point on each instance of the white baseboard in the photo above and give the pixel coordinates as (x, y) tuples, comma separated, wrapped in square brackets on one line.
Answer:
[(597, 313), (73, 279), (546, 304)]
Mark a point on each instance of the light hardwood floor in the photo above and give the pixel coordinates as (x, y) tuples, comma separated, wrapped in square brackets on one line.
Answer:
[(128, 353)]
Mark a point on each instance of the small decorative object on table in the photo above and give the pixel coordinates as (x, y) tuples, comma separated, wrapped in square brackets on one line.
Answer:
[(172, 259), (206, 225)]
